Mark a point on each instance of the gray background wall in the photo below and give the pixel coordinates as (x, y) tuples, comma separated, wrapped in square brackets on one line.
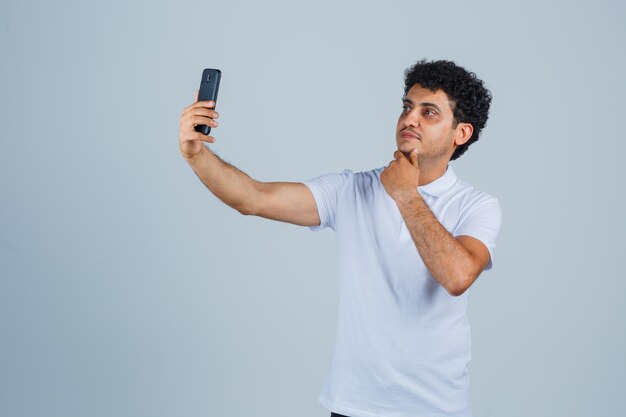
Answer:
[(127, 289)]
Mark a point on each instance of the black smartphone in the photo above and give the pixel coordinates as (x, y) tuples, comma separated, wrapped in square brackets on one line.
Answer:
[(209, 84)]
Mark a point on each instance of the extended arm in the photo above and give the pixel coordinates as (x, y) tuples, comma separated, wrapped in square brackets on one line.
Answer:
[(289, 202)]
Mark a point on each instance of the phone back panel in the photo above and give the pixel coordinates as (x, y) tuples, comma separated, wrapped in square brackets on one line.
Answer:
[(209, 86)]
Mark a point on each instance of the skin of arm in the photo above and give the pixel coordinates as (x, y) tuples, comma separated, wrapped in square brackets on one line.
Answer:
[(232, 186), (454, 262), (290, 202)]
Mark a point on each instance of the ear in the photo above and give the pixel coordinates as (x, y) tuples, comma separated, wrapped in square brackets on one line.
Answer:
[(463, 133)]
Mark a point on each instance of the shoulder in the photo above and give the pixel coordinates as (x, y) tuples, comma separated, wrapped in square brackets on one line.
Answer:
[(368, 176), (473, 203), (367, 179), (341, 181), (469, 195)]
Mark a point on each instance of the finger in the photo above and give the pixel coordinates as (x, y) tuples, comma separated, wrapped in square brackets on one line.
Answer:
[(413, 156), (190, 123), (203, 112), (200, 104), (397, 155), (209, 103), (199, 111), (194, 120), (195, 136)]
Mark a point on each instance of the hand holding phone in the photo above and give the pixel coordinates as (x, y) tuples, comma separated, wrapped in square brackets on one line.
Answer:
[(209, 86), (197, 119)]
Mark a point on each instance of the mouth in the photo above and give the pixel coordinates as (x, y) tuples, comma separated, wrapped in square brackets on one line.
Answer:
[(408, 135)]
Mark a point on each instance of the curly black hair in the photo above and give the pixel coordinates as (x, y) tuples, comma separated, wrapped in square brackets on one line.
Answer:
[(469, 99)]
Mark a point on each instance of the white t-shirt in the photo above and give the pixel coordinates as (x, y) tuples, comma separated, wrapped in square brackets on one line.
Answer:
[(403, 342)]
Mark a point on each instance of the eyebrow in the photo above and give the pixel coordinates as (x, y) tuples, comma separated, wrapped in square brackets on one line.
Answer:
[(406, 100)]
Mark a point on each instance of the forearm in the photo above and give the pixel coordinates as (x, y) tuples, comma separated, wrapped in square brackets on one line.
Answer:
[(231, 185), (446, 259)]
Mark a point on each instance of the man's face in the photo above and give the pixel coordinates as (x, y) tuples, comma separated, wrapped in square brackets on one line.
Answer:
[(426, 124)]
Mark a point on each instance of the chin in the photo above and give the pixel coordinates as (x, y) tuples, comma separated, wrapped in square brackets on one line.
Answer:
[(406, 148)]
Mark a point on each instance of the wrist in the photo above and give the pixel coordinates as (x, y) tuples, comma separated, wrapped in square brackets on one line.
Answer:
[(407, 198), (196, 156)]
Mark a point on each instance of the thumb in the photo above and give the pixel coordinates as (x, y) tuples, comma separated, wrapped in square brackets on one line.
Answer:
[(413, 157)]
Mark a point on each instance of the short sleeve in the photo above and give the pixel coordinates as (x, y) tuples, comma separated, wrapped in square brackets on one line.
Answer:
[(482, 221), (326, 190)]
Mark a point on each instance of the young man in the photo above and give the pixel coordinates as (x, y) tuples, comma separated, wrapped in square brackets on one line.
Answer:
[(412, 239)]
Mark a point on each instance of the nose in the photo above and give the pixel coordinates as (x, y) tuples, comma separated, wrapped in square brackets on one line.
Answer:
[(410, 118)]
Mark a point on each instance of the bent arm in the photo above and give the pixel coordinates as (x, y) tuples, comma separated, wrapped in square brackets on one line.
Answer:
[(290, 202), (454, 262)]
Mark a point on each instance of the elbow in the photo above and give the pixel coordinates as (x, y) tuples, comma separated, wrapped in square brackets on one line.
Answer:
[(250, 203), (458, 286), (246, 210), (249, 206), (463, 279), (456, 289)]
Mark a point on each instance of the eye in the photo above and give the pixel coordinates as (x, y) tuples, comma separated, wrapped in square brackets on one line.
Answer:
[(405, 108), (430, 112)]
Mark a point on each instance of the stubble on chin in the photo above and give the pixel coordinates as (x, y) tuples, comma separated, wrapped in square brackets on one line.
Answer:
[(406, 148)]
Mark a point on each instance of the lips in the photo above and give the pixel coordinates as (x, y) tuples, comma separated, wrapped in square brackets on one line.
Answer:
[(405, 134)]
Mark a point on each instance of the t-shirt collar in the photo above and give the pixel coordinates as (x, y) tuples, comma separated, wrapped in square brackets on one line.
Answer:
[(442, 184)]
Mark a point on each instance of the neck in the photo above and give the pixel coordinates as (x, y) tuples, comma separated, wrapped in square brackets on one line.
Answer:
[(429, 173)]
